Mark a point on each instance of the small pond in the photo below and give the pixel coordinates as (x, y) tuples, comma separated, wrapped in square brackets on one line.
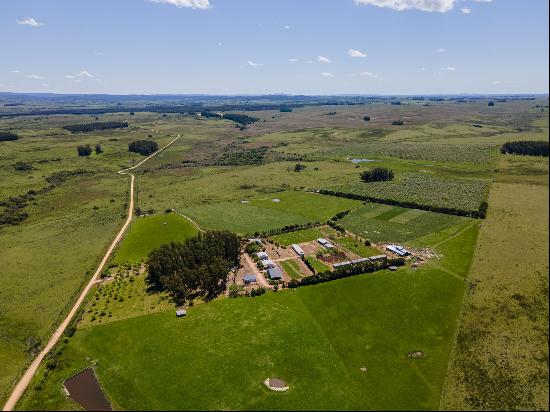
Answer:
[(84, 388)]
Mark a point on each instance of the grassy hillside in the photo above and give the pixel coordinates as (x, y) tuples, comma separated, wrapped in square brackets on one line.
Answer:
[(149, 232)]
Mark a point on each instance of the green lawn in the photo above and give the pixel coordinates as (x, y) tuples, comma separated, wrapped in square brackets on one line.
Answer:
[(263, 213), (299, 236), (291, 267), (149, 232), (383, 223), (316, 338), (357, 246), (317, 264)]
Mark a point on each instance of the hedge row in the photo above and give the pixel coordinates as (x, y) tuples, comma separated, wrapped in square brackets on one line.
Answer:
[(479, 214), (346, 272)]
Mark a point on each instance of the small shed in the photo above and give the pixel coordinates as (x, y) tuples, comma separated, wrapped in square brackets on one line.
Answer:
[(341, 264), (181, 313), (298, 250), (249, 278), (378, 257), (262, 255), (268, 263), (275, 273)]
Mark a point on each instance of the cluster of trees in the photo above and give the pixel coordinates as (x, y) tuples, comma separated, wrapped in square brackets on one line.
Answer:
[(378, 174), (528, 148), (398, 123), (491, 104), (197, 267), (5, 136), (144, 147), (298, 167), (84, 150), (89, 127), (346, 271), (242, 119), (366, 118), (480, 213), (285, 109)]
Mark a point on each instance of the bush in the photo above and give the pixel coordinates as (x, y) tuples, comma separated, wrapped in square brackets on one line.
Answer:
[(298, 167), (22, 166), (378, 174), (84, 150), (144, 147), (366, 118), (397, 123)]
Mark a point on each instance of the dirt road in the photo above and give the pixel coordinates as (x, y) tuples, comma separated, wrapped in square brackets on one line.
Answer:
[(31, 370), (259, 275)]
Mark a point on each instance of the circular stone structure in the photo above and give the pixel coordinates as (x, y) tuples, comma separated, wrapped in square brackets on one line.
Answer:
[(276, 384)]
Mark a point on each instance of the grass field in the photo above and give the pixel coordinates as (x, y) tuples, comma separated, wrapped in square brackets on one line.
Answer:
[(317, 264), (263, 213), (357, 246), (500, 360), (299, 236), (383, 223), (291, 268), (149, 232), (160, 362)]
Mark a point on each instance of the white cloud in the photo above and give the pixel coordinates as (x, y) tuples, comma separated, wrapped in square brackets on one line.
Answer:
[(449, 68), (465, 10), (441, 50), (310, 62), (441, 6), (287, 27), (369, 74), (327, 74), (220, 44), (16, 71), (2, 85), (322, 59), (356, 53), (29, 21), (253, 64), (497, 82), (98, 53), (293, 60), (194, 4), (35, 76), (423, 69), (82, 74)]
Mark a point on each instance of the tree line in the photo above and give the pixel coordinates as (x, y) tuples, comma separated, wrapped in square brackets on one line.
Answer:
[(196, 267), (527, 148), (144, 147), (7, 136), (346, 271), (235, 117), (89, 127), (479, 214)]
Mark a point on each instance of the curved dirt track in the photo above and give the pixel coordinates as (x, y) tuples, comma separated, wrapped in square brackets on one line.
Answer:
[(26, 379)]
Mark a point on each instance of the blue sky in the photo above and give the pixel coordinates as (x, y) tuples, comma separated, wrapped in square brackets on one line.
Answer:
[(274, 46)]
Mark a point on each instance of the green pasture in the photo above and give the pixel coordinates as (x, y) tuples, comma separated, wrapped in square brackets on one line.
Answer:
[(291, 268), (149, 232), (298, 236)]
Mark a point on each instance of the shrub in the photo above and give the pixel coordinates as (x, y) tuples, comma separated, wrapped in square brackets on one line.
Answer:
[(22, 166), (84, 150), (144, 147)]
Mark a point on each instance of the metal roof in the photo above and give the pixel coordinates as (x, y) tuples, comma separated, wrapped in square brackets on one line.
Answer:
[(275, 273)]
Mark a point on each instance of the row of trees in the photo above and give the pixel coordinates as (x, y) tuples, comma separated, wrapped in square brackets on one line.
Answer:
[(346, 271), (378, 174), (242, 119), (6, 136), (89, 127), (528, 148), (197, 267), (480, 213), (144, 147)]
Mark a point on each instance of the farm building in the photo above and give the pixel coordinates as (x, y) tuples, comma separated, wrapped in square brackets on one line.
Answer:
[(298, 250), (360, 260), (275, 273), (249, 278), (377, 257), (180, 313), (268, 263), (341, 264), (398, 250), (325, 243), (255, 240), (262, 255)]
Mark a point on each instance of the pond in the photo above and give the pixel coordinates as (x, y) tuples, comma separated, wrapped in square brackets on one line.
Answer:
[(84, 388), (362, 160)]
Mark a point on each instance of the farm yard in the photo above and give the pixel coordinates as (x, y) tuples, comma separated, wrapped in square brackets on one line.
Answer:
[(345, 343)]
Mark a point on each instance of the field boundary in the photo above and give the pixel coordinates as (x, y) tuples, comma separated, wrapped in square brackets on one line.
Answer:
[(28, 375)]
